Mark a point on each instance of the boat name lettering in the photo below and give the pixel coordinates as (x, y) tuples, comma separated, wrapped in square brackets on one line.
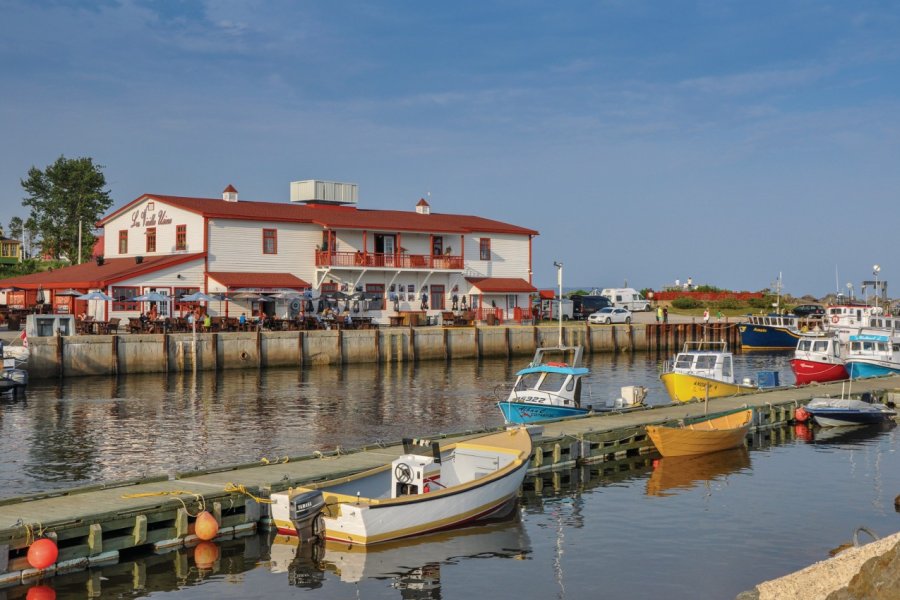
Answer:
[(760, 330)]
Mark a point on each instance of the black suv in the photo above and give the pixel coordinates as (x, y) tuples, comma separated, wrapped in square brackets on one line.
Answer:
[(809, 310), (585, 306)]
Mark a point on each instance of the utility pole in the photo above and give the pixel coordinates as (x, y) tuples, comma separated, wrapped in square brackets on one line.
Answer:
[(79, 240)]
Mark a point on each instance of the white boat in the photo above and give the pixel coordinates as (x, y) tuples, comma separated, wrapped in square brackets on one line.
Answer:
[(837, 412), (873, 353), (12, 377), (413, 495), (819, 358)]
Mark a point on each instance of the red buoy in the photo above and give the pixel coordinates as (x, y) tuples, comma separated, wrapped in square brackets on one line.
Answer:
[(42, 553), (41, 592), (206, 527), (800, 415), (205, 555)]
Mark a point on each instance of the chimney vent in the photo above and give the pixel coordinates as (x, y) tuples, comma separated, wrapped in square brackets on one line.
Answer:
[(423, 208), (230, 194)]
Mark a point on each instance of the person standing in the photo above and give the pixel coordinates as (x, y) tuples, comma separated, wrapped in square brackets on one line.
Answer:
[(659, 313), (665, 314), (706, 316)]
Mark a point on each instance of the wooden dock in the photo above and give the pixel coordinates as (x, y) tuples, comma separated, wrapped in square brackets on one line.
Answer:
[(93, 524)]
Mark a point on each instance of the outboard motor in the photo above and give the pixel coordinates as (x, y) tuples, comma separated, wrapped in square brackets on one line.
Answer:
[(305, 510)]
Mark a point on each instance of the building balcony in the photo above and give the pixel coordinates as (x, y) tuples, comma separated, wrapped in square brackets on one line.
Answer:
[(379, 260)]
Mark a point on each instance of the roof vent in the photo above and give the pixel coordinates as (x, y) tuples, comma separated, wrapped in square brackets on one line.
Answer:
[(423, 208), (230, 194), (314, 191)]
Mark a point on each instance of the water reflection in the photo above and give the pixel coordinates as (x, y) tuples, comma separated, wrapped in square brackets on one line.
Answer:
[(411, 566), (674, 473)]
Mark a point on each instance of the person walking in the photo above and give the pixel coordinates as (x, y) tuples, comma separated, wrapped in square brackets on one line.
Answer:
[(659, 313), (706, 316), (665, 314)]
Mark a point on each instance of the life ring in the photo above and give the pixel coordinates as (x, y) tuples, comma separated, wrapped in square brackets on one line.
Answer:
[(835, 319)]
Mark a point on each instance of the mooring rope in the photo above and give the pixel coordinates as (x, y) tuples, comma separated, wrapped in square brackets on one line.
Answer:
[(176, 493), (241, 489), (281, 461)]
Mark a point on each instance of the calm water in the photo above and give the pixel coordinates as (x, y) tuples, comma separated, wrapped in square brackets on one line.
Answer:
[(707, 527)]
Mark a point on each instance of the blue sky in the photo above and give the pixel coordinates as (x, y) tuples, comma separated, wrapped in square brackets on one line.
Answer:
[(647, 141)]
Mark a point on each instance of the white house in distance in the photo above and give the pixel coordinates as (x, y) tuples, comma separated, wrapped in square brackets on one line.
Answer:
[(375, 263)]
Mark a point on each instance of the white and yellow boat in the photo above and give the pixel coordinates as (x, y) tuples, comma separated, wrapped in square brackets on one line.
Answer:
[(702, 370), (413, 495)]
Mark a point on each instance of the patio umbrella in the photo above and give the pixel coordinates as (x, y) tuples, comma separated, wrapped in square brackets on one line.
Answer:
[(12, 288), (199, 297), (69, 292), (94, 296), (152, 297)]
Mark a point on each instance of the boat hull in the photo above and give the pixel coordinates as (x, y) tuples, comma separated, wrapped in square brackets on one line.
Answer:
[(529, 412), (767, 337), (836, 412), (811, 371), (703, 437), (367, 521), (683, 387), (862, 370)]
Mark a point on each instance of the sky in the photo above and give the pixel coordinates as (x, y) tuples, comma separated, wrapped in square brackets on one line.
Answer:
[(726, 141)]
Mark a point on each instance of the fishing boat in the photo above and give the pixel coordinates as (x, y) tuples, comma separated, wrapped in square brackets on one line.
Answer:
[(545, 389), (11, 376), (426, 489), (776, 331), (702, 435), (817, 359), (702, 370), (838, 412), (873, 354)]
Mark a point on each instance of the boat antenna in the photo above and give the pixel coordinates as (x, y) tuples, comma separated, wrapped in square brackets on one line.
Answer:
[(559, 310)]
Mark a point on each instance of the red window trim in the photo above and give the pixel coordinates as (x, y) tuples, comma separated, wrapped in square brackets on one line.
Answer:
[(151, 237), (274, 237), (123, 241), (484, 249), (123, 306), (181, 237)]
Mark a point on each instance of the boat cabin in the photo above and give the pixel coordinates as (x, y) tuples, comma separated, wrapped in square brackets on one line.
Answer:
[(790, 322), (821, 349), (705, 359), (873, 346)]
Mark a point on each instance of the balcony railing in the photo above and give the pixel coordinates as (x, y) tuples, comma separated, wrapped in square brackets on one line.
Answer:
[(324, 258)]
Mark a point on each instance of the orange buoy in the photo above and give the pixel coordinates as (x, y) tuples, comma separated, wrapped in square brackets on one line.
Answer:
[(206, 527), (41, 592), (205, 555), (800, 415), (42, 553)]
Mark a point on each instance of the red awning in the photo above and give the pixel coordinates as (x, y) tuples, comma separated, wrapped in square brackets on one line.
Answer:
[(501, 285), (547, 294), (237, 279)]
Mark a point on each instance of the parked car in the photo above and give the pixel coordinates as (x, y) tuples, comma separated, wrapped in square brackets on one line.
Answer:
[(611, 314), (809, 310), (584, 306)]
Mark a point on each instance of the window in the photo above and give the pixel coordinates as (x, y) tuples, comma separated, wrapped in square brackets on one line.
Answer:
[(437, 246), (122, 298), (270, 241), (123, 241), (328, 287), (181, 237), (437, 301), (375, 288), (151, 239), (184, 291), (485, 248)]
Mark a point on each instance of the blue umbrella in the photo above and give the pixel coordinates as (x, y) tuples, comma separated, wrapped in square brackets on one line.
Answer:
[(94, 296)]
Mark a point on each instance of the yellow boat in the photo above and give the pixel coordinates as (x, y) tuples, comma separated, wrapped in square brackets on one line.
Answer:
[(678, 473), (702, 435), (702, 370)]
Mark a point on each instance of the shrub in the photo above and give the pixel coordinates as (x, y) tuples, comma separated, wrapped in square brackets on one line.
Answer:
[(729, 303), (685, 303), (764, 302)]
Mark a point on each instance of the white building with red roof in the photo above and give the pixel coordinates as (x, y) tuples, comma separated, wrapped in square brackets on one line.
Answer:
[(376, 263)]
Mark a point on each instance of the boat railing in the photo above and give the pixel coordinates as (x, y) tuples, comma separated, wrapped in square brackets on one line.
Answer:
[(705, 346)]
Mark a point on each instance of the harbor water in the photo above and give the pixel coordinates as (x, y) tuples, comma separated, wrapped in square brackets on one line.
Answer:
[(706, 527)]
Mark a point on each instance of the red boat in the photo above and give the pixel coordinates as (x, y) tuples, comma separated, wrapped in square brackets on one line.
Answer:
[(817, 359)]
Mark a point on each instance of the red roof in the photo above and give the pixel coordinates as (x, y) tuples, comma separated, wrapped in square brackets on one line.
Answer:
[(422, 202), (229, 190), (92, 275), (333, 217), (238, 279), (492, 285), (547, 294)]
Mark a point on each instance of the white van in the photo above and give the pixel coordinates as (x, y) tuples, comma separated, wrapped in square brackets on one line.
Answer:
[(626, 298)]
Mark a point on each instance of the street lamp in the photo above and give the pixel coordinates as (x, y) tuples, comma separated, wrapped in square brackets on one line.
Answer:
[(875, 270), (559, 272)]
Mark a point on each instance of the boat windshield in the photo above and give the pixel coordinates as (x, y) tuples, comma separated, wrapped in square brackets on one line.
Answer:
[(804, 345), (528, 381), (821, 346), (684, 361), (706, 362), (553, 382)]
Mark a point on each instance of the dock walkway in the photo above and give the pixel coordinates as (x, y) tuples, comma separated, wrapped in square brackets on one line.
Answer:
[(92, 524)]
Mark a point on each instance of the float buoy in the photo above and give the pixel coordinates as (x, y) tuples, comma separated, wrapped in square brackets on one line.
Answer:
[(205, 555), (206, 527), (41, 592), (800, 415), (42, 553), (835, 319)]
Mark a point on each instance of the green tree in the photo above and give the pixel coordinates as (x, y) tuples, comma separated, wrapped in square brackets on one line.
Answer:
[(32, 237), (66, 193), (16, 228)]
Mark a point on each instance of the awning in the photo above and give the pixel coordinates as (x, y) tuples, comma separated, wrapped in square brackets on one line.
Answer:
[(501, 285), (232, 280)]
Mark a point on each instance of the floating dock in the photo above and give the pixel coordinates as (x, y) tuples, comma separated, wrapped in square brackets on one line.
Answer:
[(92, 525)]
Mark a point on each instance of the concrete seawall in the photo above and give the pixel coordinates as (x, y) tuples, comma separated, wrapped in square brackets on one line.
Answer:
[(159, 353)]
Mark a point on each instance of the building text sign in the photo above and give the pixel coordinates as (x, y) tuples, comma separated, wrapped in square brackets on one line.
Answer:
[(149, 218)]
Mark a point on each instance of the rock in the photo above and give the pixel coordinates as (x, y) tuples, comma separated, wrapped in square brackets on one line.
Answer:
[(877, 579)]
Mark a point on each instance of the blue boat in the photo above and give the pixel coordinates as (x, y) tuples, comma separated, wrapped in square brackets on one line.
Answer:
[(547, 390), (873, 355), (775, 332), (837, 412)]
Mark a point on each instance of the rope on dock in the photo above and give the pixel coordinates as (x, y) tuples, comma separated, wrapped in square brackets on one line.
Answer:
[(241, 489), (30, 536), (176, 493), (280, 461)]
